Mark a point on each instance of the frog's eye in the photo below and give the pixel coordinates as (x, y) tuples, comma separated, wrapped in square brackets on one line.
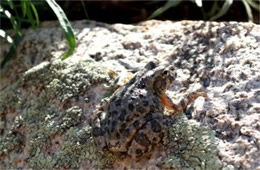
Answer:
[(165, 72)]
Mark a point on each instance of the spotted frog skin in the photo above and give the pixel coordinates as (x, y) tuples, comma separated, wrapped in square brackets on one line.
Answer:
[(132, 121)]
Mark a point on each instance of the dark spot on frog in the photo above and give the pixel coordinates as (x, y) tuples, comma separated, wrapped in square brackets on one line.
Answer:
[(117, 135), (145, 103), (136, 114), (142, 83), (140, 109), (138, 152), (128, 119), (114, 113), (108, 121), (156, 100), (152, 108), (131, 107), (150, 65), (154, 140), (141, 95), (167, 121), (105, 130), (113, 99), (97, 132), (136, 123), (161, 135), (126, 133), (142, 139), (113, 126), (148, 117), (118, 102), (172, 78), (156, 127), (122, 115), (104, 122), (123, 126)]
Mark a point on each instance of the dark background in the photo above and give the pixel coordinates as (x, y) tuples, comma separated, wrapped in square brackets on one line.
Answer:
[(136, 11), (128, 12)]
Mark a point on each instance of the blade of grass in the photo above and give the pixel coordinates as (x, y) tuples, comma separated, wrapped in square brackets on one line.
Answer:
[(65, 24), (223, 10), (248, 11), (84, 9), (6, 37), (199, 3), (12, 50), (30, 16), (24, 7), (168, 4), (213, 9), (10, 3), (254, 4), (16, 18), (12, 19), (35, 14)]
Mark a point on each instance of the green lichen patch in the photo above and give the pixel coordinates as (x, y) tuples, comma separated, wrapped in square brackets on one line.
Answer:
[(192, 147), (43, 131), (65, 80)]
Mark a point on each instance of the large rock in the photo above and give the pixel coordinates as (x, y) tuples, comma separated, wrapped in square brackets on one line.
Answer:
[(46, 104)]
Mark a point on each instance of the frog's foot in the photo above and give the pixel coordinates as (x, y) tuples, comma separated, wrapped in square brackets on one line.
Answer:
[(190, 98), (99, 139), (98, 133), (151, 134), (178, 108)]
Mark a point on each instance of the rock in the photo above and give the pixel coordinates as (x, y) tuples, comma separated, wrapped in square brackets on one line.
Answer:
[(46, 104)]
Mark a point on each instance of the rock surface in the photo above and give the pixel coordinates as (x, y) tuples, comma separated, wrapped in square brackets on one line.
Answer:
[(46, 104)]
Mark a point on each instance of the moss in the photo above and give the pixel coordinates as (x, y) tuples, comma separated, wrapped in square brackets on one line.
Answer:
[(192, 146), (48, 128)]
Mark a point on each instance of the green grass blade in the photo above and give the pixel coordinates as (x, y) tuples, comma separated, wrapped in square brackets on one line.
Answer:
[(6, 37), (10, 3), (12, 20), (223, 10), (254, 4), (12, 50), (35, 14), (24, 7), (30, 16), (168, 4), (84, 9), (65, 24), (16, 18), (199, 3), (213, 9), (248, 11)]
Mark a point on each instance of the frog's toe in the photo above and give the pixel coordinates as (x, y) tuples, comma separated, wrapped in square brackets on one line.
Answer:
[(99, 139)]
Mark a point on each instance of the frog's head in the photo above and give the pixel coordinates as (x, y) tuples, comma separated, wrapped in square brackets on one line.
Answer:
[(163, 78)]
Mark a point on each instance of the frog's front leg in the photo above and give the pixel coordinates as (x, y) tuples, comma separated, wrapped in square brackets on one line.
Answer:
[(99, 130), (182, 105), (154, 132)]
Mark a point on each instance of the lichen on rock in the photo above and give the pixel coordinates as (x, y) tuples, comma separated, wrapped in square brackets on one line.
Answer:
[(191, 147), (46, 128)]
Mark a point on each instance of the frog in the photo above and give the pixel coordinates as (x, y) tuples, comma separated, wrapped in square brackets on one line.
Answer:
[(132, 121)]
